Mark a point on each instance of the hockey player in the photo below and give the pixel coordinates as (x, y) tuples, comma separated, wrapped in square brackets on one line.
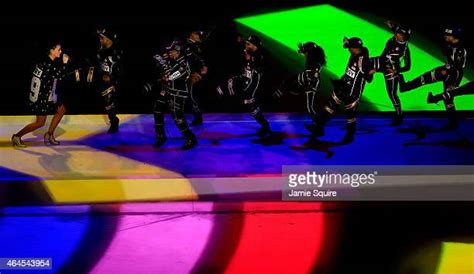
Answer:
[(348, 89), (389, 63), (248, 82), (194, 54), (175, 72), (450, 73), (307, 81), (44, 97), (109, 58)]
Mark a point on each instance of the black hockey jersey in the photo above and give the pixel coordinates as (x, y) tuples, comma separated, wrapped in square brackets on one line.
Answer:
[(110, 61), (357, 73), (194, 55), (45, 80), (392, 55), (456, 56)]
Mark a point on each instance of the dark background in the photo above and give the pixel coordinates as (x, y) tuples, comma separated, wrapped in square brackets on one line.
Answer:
[(144, 27)]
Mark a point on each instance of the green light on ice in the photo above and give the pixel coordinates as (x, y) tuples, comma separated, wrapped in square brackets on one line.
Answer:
[(327, 25)]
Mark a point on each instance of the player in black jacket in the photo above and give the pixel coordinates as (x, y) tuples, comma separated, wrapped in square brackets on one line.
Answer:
[(44, 97), (450, 73), (348, 89), (194, 54), (307, 81), (248, 83), (174, 72), (389, 63), (109, 59)]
